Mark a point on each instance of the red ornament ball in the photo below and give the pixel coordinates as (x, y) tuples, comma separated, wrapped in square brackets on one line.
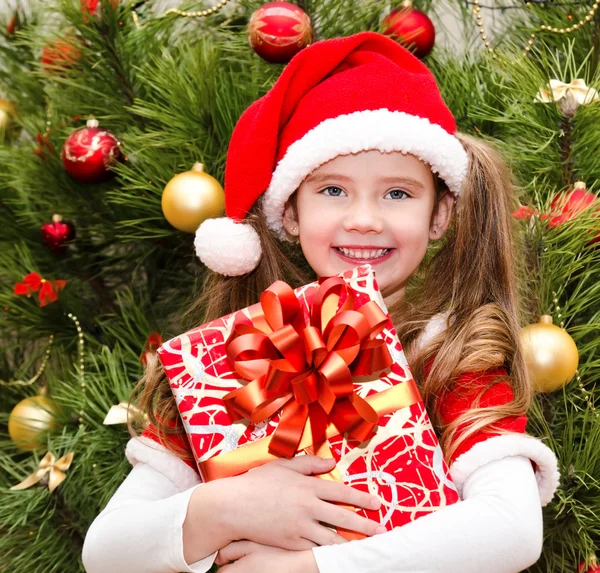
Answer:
[(60, 55), (89, 152), (593, 567), (412, 28), (56, 233), (278, 31)]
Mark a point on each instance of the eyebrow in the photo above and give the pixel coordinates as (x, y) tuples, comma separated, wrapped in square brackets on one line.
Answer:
[(320, 177)]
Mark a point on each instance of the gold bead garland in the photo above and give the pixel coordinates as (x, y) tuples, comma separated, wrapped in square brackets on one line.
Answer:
[(585, 393), (81, 366), (199, 14), (482, 33), (38, 373), (588, 18), (579, 24)]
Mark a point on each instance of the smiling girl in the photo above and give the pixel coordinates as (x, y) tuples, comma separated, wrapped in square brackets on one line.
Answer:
[(353, 157)]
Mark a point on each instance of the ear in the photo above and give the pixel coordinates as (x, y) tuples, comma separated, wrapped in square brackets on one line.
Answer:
[(290, 220), (440, 221)]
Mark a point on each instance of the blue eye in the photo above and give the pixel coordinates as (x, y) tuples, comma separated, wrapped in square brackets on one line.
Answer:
[(397, 194), (337, 192)]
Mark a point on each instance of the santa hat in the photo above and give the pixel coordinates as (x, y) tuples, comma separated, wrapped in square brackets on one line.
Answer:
[(335, 97)]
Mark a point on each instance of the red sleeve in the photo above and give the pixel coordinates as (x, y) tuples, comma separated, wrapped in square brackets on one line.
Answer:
[(178, 441), (463, 396)]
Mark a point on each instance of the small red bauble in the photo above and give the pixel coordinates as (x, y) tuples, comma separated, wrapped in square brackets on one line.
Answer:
[(59, 55), (412, 28), (593, 568), (278, 31), (89, 152), (57, 233)]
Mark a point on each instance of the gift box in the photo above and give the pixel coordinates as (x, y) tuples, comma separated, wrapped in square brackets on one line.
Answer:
[(316, 370)]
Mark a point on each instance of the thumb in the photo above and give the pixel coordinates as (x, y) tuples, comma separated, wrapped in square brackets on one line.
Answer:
[(309, 465)]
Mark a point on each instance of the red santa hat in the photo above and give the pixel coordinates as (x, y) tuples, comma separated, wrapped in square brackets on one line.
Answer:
[(335, 97)]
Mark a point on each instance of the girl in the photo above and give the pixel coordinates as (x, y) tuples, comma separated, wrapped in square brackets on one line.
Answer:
[(354, 157)]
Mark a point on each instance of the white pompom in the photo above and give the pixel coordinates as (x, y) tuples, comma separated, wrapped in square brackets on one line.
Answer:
[(227, 247)]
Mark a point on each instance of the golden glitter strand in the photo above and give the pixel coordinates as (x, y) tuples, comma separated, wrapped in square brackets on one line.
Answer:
[(38, 373), (585, 393), (583, 22), (479, 19), (588, 18), (81, 366), (201, 13)]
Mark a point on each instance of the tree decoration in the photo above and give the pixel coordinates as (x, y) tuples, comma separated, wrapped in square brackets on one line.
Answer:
[(569, 97), (89, 153), (7, 120), (44, 145), (60, 55), (39, 372), (566, 206), (90, 6), (52, 468), (593, 566), (56, 233), (192, 197), (30, 420), (47, 290), (278, 30), (153, 342), (524, 212), (412, 28), (550, 354), (13, 24), (122, 412)]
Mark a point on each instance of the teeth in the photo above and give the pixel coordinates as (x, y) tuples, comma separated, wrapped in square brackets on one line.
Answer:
[(363, 253)]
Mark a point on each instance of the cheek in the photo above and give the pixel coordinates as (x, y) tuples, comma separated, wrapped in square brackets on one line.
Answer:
[(317, 226)]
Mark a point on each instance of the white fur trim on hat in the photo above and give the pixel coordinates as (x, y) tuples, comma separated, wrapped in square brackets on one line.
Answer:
[(507, 445), (227, 247), (380, 129), (147, 451)]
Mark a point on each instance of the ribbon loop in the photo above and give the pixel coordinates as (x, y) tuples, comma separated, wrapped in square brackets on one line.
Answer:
[(307, 369)]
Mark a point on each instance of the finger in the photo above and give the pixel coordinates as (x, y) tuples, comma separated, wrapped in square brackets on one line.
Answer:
[(299, 544), (347, 519), (234, 551), (308, 465), (323, 535), (341, 493)]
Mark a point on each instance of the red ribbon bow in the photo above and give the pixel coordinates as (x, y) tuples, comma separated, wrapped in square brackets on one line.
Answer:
[(48, 290), (307, 369), (153, 342)]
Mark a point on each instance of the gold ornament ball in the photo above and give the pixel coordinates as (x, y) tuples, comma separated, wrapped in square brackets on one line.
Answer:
[(30, 420), (7, 112), (550, 354), (192, 197)]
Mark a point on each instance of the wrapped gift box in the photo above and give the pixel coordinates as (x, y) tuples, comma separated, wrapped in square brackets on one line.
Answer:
[(400, 459)]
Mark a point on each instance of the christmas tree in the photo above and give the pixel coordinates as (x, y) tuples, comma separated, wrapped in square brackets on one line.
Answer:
[(97, 258)]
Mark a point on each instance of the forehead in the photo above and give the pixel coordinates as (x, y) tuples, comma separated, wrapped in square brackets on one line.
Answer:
[(374, 164)]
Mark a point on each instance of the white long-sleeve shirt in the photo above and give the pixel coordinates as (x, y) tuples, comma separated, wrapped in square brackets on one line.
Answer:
[(497, 527)]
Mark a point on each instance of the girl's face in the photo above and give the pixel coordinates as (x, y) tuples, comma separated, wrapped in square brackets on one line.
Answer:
[(369, 207)]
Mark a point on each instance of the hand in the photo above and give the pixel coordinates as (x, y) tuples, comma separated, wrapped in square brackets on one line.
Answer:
[(282, 504), (250, 557)]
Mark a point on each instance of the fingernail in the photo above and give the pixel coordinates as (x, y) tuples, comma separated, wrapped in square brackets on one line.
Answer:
[(380, 530), (375, 503)]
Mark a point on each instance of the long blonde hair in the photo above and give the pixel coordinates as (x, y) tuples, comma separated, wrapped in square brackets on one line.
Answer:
[(472, 277)]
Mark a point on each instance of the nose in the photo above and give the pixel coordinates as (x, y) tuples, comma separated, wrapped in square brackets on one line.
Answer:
[(364, 217)]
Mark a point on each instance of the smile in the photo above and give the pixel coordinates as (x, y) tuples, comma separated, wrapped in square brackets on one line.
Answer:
[(372, 256)]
